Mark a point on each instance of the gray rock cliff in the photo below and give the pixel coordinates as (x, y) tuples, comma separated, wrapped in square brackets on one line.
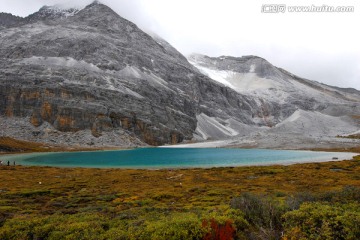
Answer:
[(92, 69), (278, 95), (90, 75)]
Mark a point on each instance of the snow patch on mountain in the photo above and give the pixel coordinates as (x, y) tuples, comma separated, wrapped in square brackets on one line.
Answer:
[(53, 13), (246, 83), (63, 11), (219, 76)]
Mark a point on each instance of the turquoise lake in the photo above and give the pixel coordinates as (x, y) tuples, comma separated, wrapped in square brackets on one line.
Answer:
[(154, 158)]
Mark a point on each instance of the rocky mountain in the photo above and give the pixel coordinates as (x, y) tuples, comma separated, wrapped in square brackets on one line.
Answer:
[(256, 77), (8, 20), (288, 105), (45, 13), (91, 77), (95, 71)]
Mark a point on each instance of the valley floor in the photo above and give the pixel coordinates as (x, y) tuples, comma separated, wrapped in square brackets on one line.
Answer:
[(51, 203), (263, 202)]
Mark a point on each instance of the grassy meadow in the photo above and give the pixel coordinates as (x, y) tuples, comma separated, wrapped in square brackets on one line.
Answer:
[(301, 201)]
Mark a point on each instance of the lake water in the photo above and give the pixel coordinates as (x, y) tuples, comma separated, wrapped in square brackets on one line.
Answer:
[(154, 158)]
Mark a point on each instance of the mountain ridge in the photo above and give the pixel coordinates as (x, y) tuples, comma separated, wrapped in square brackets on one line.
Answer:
[(267, 70), (280, 95), (120, 79), (95, 78)]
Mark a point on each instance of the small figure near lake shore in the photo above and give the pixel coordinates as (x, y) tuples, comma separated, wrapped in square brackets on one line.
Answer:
[(2, 163)]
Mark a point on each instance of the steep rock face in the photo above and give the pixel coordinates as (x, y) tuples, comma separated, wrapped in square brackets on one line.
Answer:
[(91, 72), (254, 76), (277, 95), (92, 69), (48, 13), (8, 20)]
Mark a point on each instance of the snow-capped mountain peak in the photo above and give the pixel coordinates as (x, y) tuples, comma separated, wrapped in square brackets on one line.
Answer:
[(281, 97), (53, 12), (256, 77)]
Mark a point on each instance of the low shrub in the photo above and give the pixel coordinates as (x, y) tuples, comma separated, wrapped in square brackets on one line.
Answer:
[(323, 221), (178, 226), (261, 212), (77, 226)]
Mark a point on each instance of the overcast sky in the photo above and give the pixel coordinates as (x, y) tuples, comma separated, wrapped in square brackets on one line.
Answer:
[(319, 46)]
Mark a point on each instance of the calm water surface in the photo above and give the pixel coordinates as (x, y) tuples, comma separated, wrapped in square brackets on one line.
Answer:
[(154, 158)]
